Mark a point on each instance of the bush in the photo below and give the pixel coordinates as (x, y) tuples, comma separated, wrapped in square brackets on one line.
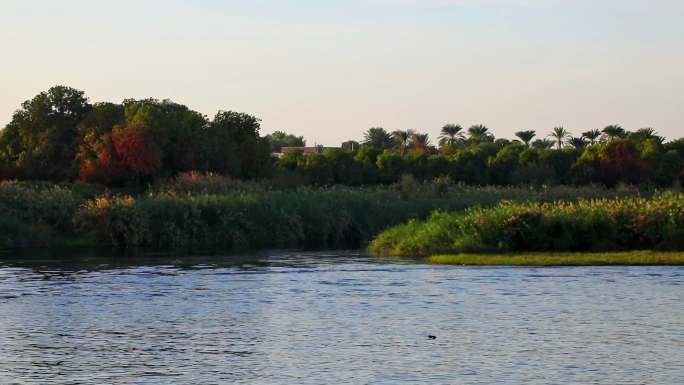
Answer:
[(195, 182), (32, 213), (115, 219)]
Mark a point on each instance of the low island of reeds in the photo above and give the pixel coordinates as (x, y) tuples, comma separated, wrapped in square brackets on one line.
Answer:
[(583, 232)]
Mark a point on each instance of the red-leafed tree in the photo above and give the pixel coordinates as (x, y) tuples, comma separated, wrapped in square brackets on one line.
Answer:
[(103, 165), (137, 150), (620, 162)]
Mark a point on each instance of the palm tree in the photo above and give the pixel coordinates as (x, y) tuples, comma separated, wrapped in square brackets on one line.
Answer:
[(450, 135), (559, 135), (614, 131), (403, 138), (377, 138), (542, 144), (420, 141), (526, 136), (578, 142), (645, 134), (480, 133), (592, 136)]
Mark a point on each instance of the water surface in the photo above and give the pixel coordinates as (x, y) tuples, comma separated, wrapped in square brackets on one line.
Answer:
[(336, 318)]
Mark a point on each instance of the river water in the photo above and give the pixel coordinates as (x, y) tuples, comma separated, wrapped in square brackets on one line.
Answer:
[(335, 318)]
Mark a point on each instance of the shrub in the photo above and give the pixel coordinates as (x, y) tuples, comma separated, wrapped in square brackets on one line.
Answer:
[(204, 183), (33, 212), (115, 219)]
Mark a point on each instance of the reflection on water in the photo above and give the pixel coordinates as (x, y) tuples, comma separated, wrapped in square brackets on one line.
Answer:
[(289, 318)]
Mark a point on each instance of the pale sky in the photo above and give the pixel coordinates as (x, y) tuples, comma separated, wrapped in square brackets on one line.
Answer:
[(330, 69)]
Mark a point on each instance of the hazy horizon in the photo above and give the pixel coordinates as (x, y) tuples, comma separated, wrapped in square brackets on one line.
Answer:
[(330, 70)]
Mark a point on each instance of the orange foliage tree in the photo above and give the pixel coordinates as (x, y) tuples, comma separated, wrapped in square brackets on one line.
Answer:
[(137, 150)]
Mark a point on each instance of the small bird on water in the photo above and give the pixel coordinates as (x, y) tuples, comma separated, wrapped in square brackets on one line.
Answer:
[(430, 336)]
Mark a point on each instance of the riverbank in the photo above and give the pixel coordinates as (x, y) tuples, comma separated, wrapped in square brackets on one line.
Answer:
[(636, 258), (205, 214)]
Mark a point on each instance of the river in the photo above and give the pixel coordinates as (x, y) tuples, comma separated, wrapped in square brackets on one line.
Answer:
[(334, 318)]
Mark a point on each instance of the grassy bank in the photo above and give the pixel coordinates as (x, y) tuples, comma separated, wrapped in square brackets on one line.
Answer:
[(632, 223), (205, 214), (562, 259)]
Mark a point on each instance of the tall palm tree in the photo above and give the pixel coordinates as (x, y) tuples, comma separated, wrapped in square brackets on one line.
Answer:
[(420, 141), (646, 133), (450, 135), (377, 138), (480, 133), (543, 144), (403, 139), (592, 136), (526, 136), (578, 142), (614, 131), (559, 135)]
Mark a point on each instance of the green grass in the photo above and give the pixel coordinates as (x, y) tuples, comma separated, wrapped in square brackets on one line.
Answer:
[(562, 259), (596, 225)]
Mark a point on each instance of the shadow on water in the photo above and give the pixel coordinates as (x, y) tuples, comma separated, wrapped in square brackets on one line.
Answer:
[(65, 260)]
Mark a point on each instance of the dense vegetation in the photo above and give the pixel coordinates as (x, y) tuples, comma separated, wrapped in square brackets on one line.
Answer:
[(151, 173), (205, 212), (60, 136), (631, 223)]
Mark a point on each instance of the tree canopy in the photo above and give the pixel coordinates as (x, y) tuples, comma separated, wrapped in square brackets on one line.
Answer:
[(60, 135)]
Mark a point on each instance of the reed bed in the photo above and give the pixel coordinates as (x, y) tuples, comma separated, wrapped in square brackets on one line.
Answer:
[(605, 224), (202, 214)]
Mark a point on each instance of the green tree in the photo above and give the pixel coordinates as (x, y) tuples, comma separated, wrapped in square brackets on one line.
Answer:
[(526, 136), (378, 138), (345, 169), (559, 136), (592, 136), (240, 134), (578, 143), (391, 166), (561, 161), (174, 128), (450, 135), (543, 144), (42, 139), (644, 134), (318, 167), (505, 162), (479, 133), (403, 139), (280, 139), (614, 131), (420, 142)]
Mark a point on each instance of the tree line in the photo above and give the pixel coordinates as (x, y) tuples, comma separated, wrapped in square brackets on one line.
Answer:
[(60, 136)]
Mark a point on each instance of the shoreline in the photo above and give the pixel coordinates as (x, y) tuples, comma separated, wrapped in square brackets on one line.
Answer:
[(619, 258)]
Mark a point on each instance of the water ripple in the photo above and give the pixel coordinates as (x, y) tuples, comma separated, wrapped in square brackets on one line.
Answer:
[(291, 318)]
